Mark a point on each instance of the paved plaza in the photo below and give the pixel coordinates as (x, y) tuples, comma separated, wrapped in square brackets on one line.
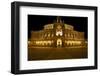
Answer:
[(56, 53)]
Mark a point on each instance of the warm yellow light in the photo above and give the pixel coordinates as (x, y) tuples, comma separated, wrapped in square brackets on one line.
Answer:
[(29, 42), (73, 42)]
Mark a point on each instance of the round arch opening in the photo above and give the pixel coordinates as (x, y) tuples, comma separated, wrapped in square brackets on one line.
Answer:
[(59, 43)]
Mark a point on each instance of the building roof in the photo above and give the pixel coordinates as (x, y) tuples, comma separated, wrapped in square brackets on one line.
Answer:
[(58, 20)]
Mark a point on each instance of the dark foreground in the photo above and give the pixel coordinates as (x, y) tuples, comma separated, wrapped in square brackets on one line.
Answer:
[(56, 53)]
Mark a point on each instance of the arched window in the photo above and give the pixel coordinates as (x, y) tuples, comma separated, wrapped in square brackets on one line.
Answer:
[(45, 35), (65, 35), (71, 35), (48, 34), (52, 35), (68, 35), (59, 42)]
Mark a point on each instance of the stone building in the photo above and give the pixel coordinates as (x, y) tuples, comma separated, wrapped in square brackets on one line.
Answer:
[(57, 34)]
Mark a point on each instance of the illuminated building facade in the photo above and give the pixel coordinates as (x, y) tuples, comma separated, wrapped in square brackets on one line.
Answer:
[(57, 34)]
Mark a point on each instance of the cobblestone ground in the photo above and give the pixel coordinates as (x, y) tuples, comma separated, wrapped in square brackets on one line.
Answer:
[(56, 53)]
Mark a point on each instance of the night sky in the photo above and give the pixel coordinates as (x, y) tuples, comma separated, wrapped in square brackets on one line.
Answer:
[(36, 22)]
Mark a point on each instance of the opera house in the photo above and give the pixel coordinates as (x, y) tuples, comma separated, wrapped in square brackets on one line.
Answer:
[(57, 34)]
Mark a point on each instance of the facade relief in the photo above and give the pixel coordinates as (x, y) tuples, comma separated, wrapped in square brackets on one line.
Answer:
[(57, 34)]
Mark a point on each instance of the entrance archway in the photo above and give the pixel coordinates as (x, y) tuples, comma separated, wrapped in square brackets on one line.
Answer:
[(59, 42)]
